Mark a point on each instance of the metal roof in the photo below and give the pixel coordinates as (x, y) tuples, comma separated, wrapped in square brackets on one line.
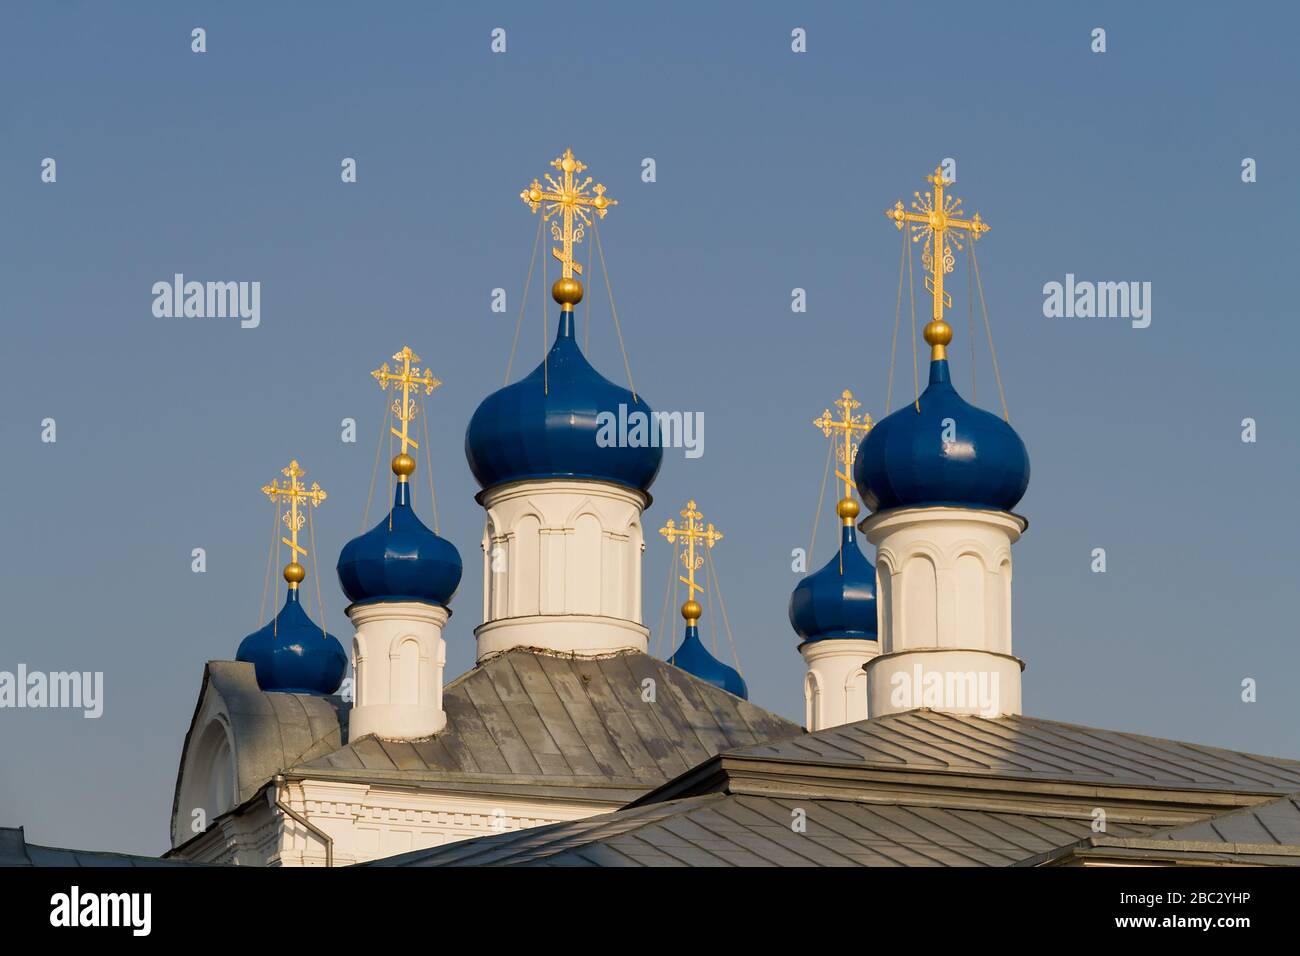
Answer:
[(745, 830), (1276, 822), (1031, 748), (528, 720), (1267, 834), (924, 788), (16, 851)]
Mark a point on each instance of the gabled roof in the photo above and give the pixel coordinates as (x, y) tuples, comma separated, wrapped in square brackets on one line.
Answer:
[(745, 830), (530, 721)]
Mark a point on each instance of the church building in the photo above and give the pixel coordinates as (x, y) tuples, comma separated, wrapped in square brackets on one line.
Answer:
[(568, 743)]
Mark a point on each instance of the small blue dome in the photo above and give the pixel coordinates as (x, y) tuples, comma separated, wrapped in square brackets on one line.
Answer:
[(905, 461), (399, 559), (293, 654), (839, 601), (694, 658), (545, 425)]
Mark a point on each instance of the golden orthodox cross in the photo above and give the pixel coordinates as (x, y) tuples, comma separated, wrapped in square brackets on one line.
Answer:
[(569, 198), (408, 377), (693, 531), (848, 425), (296, 493), (933, 216)]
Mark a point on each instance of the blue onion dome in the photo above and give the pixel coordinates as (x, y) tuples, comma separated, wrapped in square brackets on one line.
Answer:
[(946, 453), (400, 559), (694, 658), (839, 601), (294, 654), (546, 425)]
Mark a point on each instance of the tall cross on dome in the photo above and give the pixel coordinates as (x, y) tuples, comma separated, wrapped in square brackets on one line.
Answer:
[(933, 216), (693, 531), (296, 493), (848, 425), (409, 378), (568, 198)]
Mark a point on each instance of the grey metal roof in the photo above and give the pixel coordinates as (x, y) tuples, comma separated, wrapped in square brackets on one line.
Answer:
[(1267, 834), (1032, 748), (16, 851), (745, 830), (1276, 822), (528, 720), (929, 789)]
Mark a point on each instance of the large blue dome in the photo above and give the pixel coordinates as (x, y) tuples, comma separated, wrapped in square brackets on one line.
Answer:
[(293, 654), (905, 460), (839, 601), (694, 658), (399, 559), (544, 425)]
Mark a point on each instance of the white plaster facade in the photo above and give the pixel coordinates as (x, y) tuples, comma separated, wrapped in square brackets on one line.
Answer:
[(835, 685), (398, 657), (943, 597), (562, 567), (365, 822)]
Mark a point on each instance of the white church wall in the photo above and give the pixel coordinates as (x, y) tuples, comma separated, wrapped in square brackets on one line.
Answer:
[(944, 611), (835, 689), (368, 821), (398, 655), (562, 567)]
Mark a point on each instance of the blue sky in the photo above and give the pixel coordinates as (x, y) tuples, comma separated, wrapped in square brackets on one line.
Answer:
[(773, 170)]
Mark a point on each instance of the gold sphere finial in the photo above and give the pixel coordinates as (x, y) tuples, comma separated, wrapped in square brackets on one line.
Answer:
[(294, 573), (567, 292), (847, 509), (938, 332), (403, 465), (691, 610)]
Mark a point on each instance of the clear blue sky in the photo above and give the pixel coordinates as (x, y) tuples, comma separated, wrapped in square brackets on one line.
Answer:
[(773, 172)]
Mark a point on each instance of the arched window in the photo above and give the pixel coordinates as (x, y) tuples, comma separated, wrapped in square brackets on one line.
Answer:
[(971, 586), (919, 621), (583, 578), (812, 699), (404, 677), (524, 569)]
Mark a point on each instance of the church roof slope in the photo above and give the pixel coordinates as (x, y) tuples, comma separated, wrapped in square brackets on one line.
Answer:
[(1276, 823), (531, 720), (747, 830), (1031, 748), (1267, 834), (16, 851)]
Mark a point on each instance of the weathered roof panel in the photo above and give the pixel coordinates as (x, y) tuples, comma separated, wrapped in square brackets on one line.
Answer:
[(535, 721), (1276, 822), (16, 851), (1033, 749)]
